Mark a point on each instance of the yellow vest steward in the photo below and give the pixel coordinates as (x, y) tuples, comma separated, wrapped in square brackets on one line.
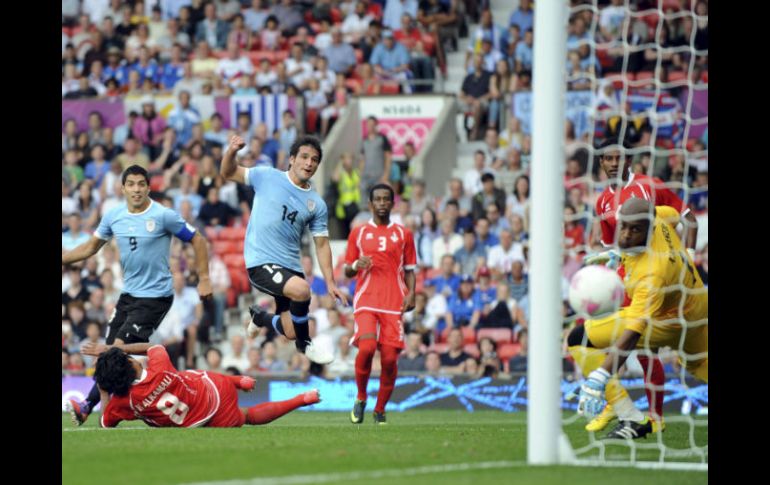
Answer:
[(349, 190)]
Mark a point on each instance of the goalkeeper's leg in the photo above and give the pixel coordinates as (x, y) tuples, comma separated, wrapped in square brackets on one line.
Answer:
[(590, 358)]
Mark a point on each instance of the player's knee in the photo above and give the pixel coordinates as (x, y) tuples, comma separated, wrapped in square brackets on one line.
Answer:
[(367, 345), (578, 336), (299, 290)]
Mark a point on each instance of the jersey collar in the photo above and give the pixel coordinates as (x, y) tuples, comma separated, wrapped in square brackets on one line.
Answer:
[(295, 185), (140, 213), (371, 222)]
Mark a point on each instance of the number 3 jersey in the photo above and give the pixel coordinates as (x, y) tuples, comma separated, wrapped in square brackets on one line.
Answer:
[(165, 397), (381, 288), (280, 212)]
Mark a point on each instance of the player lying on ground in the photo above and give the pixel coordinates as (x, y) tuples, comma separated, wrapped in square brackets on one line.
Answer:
[(161, 396), (660, 277)]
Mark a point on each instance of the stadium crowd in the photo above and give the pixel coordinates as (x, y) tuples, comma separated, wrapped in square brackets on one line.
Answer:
[(472, 306)]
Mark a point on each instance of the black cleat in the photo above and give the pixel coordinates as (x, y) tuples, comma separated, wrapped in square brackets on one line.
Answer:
[(256, 312), (357, 414), (379, 418), (630, 430)]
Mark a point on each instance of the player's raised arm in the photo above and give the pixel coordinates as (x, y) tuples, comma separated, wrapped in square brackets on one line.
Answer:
[(83, 251), (230, 170)]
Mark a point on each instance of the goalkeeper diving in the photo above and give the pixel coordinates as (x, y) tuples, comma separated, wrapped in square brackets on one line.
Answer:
[(669, 307)]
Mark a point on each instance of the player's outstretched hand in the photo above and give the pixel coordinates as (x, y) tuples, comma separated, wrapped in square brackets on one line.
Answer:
[(236, 143), (204, 289), (363, 263), (408, 304), (609, 258), (338, 294), (93, 349), (591, 400)]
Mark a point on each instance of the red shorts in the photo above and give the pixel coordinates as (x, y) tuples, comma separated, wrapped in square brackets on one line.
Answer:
[(387, 326), (229, 415)]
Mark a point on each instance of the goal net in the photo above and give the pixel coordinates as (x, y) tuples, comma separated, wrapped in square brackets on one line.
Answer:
[(637, 70)]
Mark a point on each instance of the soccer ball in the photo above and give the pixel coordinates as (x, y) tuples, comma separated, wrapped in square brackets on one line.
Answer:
[(595, 290)]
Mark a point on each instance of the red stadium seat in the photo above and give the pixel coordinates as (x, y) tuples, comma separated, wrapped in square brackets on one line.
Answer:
[(498, 335), (389, 88), (439, 347), (222, 247), (506, 351), (233, 233), (472, 350), (679, 77), (211, 233), (234, 261), (156, 183), (469, 334), (238, 246)]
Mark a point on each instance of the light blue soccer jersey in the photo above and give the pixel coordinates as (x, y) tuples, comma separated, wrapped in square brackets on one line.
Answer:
[(144, 240), (278, 217)]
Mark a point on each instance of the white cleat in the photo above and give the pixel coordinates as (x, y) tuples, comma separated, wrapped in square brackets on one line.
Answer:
[(252, 330), (318, 355)]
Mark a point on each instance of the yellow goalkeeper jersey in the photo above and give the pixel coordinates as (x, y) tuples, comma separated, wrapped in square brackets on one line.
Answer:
[(660, 278)]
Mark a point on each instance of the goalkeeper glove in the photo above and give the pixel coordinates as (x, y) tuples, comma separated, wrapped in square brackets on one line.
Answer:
[(591, 400), (610, 258)]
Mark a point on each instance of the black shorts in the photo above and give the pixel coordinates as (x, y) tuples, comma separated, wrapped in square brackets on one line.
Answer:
[(135, 319), (270, 279)]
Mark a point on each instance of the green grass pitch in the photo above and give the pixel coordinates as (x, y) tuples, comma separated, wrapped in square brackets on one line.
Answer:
[(316, 447)]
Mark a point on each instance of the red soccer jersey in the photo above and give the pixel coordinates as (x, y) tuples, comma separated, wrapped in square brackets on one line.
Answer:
[(165, 397), (641, 186), (381, 288)]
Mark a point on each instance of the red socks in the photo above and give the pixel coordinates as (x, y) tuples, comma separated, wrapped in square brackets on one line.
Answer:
[(654, 379), (389, 359), (366, 350), (269, 411)]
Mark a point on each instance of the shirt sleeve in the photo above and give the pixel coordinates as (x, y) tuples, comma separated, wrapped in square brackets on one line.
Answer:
[(352, 253), (104, 231), (158, 359), (664, 196), (173, 223), (117, 410), (410, 252), (319, 223), (254, 175)]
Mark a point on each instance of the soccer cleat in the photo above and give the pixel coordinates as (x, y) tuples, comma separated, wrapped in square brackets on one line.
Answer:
[(379, 418), (318, 355), (312, 396), (252, 328), (78, 411), (658, 426), (630, 430), (602, 420), (357, 414), (247, 383)]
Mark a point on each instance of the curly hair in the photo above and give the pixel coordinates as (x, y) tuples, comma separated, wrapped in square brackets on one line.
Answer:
[(114, 372)]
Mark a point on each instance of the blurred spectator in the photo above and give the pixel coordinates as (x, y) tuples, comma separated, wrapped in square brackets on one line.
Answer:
[(500, 87), (75, 235), (391, 61), (212, 29), (474, 95), (183, 117), (256, 14), (524, 55), (463, 309), (376, 154), (518, 282), (523, 17), (356, 23), (214, 212), (235, 66), (254, 357), (486, 238), (340, 54), (446, 244), (204, 64), (148, 128), (93, 335), (489, 195), (518, 202), (289, 14), (270, 361), (453, 360), (345, 357), (502, 256), (435, 309), (433, 363), (269, 36), (236, 354), (214, 360), (349, 199), (412, 359), (470, 254)]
